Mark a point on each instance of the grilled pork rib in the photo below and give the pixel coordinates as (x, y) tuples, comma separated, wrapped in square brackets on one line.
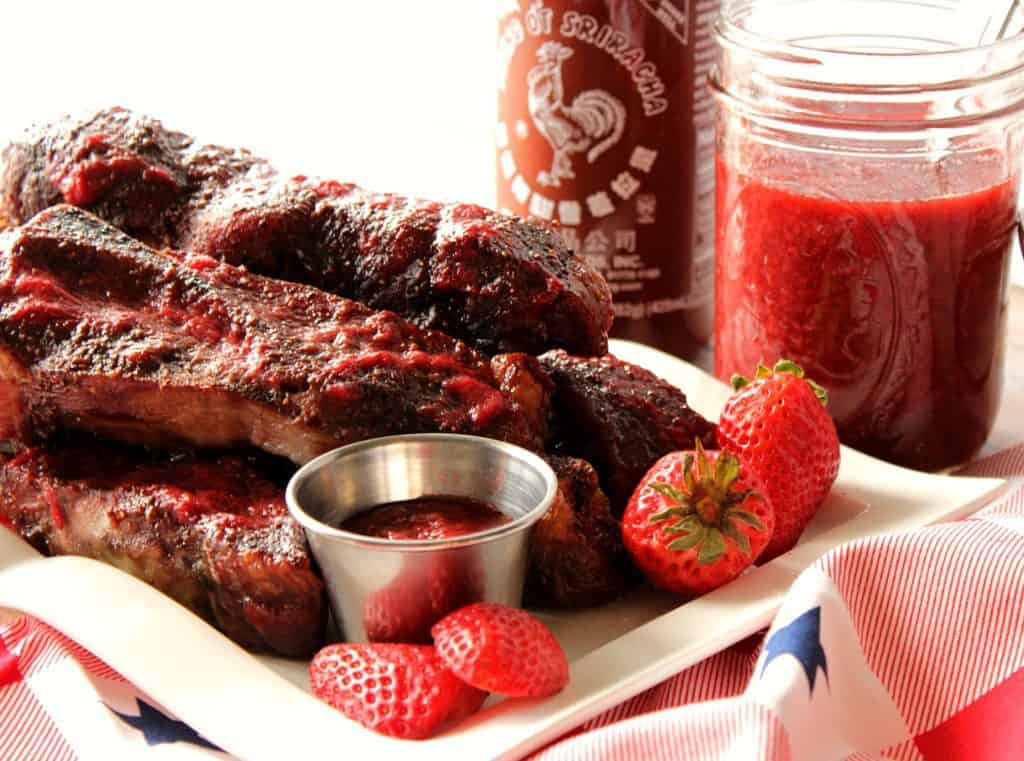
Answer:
[(577, 558), (214, 535), (619, 417), (102, 334), (500, 282)]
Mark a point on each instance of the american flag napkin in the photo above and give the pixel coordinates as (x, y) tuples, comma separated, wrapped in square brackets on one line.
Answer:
[(908, 646)]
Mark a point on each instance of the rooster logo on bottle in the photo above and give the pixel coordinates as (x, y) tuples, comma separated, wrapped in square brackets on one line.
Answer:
[(591, 124)]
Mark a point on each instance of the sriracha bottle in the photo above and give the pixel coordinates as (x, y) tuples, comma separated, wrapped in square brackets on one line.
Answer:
[(605, 126)]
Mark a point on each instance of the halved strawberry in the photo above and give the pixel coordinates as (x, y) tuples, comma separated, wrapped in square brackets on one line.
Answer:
[(696, 520), (501, 649), (398, 690)]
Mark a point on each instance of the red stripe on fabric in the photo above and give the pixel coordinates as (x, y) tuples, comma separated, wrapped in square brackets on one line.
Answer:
[(1009, 462), (15, 630), (27, 733), (989, 729), (1011, 506), (937, 611), (12, 711), (38, 650), (40, 646), (726, 729), (37, 730), (9, 670), (91, 663), (724, 675)]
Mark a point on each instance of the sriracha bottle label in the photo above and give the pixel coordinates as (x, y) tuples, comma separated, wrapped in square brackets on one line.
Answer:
[(606, 127)]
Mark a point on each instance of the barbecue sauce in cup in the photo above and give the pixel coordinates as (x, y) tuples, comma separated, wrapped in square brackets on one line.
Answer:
[(605, 127), (430, 517)]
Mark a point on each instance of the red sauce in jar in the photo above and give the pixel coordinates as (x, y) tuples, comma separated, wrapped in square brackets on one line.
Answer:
[(432, 517), (892, 295)]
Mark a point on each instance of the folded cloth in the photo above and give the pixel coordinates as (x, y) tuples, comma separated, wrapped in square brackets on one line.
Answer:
[(59, 702), (907, 646)]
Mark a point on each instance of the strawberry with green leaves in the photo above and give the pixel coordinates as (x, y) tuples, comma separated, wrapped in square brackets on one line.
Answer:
[(696, 521), (778, 425)]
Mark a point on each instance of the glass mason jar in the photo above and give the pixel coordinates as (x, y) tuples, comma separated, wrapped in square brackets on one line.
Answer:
[(867, 168)]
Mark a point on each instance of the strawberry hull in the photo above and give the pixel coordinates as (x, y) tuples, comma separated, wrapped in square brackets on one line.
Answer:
[(696, 521)]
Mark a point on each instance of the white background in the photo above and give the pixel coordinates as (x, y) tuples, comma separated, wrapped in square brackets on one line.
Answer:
[(394, 94)]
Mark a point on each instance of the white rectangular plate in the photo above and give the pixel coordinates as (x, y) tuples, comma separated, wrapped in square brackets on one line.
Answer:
[(259, 708)]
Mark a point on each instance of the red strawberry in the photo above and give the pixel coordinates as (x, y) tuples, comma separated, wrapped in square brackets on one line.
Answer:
[(777, 424), (696, 521), (399, 690), (501, 649)]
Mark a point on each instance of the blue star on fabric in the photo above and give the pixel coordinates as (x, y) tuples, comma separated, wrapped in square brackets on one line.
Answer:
[(159, 729), (801, 638)]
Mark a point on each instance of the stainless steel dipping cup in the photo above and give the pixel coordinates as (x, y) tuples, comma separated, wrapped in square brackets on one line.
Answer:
[(386, 590)]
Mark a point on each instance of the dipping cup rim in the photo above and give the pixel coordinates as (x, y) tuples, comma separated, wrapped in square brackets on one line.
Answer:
[(523, 522)]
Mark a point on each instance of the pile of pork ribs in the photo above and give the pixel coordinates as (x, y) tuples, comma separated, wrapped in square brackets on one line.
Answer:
[(181, 326)]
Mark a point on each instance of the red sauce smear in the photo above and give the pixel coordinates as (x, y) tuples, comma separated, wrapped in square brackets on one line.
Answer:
[(433, 517), (55, 511)]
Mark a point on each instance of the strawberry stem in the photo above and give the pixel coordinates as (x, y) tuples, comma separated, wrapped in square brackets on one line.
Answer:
[(785, 367), (707, 510)]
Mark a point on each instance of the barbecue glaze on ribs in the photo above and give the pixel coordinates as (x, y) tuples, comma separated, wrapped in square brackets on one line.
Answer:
[(500, 282), (215, 535), (577, 558), (102, 334), (620, 417)]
